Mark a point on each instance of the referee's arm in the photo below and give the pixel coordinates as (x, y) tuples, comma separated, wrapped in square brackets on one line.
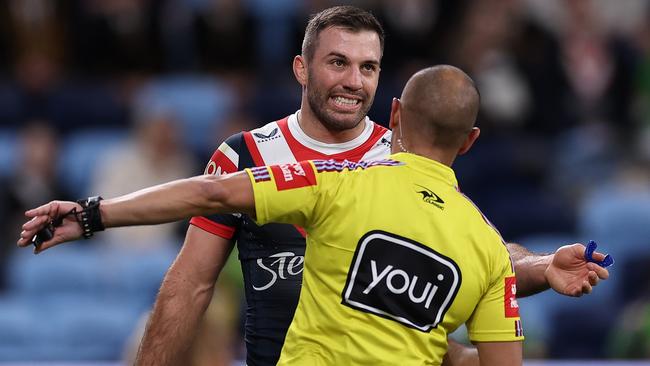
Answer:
[(198, 196)]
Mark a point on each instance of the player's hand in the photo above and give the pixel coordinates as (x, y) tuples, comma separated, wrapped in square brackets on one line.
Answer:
[(40, 217), (570, 274)]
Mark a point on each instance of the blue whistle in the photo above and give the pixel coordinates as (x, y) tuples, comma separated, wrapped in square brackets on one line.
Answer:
[(589, 252)]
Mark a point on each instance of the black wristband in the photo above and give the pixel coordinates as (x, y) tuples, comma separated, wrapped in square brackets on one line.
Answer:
[(89, 218)]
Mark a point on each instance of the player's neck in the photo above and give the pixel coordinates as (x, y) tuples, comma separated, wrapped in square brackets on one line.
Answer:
[(313, 128)]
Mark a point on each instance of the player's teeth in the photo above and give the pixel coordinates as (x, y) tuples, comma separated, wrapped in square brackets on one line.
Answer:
[(347, 101)]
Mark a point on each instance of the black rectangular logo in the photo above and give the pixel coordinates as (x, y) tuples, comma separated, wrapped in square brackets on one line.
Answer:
[(401, 280)]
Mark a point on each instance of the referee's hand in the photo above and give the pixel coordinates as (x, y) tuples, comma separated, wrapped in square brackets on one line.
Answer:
[(571, 274), (42, 216)]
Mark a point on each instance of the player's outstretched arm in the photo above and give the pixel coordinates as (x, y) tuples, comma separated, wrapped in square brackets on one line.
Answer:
[(197, 196), (500, 353), (183, 298)]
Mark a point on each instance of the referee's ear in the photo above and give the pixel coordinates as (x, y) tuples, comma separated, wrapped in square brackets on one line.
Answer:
[(469, 140), (394, 114)]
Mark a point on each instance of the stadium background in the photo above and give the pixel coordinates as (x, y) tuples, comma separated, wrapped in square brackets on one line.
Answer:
[(108, 96)]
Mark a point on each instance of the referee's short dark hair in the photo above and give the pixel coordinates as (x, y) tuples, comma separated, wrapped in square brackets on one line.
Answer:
[(349, 17)]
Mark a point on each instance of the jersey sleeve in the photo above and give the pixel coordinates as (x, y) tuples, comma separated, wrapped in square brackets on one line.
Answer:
[(224, 160), (496, 317), (290, 193)]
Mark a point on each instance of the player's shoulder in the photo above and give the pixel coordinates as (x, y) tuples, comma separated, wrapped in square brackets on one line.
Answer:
[(226, 158), (273, 136), (378, 126), (267, 132), (234, 153), (379, 129)]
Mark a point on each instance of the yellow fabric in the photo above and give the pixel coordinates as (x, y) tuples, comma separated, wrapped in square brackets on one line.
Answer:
[(386, 225)]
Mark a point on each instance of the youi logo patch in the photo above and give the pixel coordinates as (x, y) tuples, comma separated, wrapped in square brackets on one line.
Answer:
[(401, 280)]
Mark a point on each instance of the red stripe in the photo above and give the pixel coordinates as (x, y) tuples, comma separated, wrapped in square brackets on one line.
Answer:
[(212, 227), (220, 163), (252, 148), (301, 231), (302, 152)]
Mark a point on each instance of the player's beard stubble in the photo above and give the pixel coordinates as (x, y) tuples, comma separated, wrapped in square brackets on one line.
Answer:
[(318, 98)]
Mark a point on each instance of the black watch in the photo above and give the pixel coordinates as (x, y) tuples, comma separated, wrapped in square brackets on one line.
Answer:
[(89, 218)]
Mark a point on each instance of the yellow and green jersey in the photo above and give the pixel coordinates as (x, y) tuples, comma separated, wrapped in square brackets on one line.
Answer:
[(397, 258)]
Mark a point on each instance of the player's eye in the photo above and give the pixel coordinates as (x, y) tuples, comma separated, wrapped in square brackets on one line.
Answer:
[(369, 67)]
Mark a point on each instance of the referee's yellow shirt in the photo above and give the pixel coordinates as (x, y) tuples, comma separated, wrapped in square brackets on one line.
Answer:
[(397, 258)]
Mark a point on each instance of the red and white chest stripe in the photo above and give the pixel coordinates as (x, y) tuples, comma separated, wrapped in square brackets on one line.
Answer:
[(275, 144)]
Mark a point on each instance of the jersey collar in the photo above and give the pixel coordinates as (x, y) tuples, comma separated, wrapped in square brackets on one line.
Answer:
[(325, 148), (428, 166)]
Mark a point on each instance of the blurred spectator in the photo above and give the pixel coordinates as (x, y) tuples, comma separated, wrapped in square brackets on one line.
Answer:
[(508, 163), (410, 25), (200, 104), (225, 33), (565, 88), (274, 21), (597, 68), (110, 37), (154, 154), (32, 184), (40, 90), (642, 101), (37, 76), (482, 46), (30, 26)]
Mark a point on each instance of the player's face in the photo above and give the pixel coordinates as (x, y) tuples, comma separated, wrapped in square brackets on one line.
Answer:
[(343, 76)]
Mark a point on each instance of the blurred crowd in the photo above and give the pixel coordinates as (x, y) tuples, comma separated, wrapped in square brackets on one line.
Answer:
[(109, 96)]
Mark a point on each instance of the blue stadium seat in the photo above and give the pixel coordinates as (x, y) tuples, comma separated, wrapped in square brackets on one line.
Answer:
[(64, 328), (8, 151), (70, 269), (619, 220), (200, 104), (546, 242), (79, 156), (77, 105), (84, 300), (91, 329), (18, 329), (135, 275), (581, 332)]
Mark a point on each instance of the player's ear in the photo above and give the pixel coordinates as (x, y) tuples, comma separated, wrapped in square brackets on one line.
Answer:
[(300, 69), (469, 140)]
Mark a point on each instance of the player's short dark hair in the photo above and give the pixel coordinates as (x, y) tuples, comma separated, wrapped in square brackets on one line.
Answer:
[(349, 17)]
